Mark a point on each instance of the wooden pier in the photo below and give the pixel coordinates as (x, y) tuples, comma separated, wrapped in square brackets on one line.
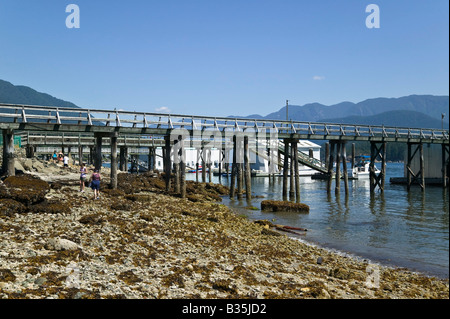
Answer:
[(118, 131)]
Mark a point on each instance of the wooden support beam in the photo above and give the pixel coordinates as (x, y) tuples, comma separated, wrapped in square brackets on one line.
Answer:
[(338, 168), (422, 167), (344, 166), (291, 172), (377, 180), (80, 155), (248, 182), (29, 151), (330, 165), (113, 179), (372, 176), (123, 158), (296, 170), (197, 165), (168, 162), (353, 155), (227, 162), (176, 166), (203, 157), (411, 176), (150, 159), (285, 169), (383, 166), (239, 163), (182, 167), (233, 170), (8, 153), (408, 167), (220, 167), (209, 161), (445, 165), (98, 152), (91, 155)]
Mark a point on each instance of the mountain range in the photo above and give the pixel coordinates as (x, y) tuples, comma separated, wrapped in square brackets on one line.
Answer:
[(18, 94), (415, 111)]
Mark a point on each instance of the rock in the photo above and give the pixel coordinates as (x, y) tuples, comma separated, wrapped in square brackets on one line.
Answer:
[(28, 164), (284, 206), (25, 189), (9, 207), (61, 244), (40, 281), (38, 166), (18, 166), (319, 261)]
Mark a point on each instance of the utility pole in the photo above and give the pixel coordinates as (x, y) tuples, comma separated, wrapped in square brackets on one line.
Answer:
[(287, 110)]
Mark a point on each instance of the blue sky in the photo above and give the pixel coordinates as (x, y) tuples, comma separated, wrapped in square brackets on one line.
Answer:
[(214, 57)]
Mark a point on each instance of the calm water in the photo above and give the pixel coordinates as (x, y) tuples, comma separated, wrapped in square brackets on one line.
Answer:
[(394, 228)]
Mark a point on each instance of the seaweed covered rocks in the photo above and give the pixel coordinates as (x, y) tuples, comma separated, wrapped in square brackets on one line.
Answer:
[(284, 206), (131, 184), (140, 241), (25, 189), (26, 193)]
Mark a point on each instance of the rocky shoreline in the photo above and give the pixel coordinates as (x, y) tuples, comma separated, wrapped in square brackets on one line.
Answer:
[(139, 242)]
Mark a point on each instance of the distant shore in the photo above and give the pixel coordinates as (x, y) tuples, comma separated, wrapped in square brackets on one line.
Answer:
[(140, 242)]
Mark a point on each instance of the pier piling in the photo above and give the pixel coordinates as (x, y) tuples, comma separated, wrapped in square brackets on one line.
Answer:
[(98, 152), (182, 167), (338, 167), (344, 166), (297, 174), (291, 172), (332, 147), (285, 169), (248, 182), (445, 165), (8, 153), (375, 152), (168, 162), (412, 176), (113, 175), (239, 176), (233, 170)]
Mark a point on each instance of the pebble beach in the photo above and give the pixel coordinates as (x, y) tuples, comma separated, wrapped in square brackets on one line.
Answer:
[(140, 242)]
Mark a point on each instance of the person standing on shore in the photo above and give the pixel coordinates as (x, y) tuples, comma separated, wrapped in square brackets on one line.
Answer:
[(55, 157), (95, 183), (66, 161), (83, 176)]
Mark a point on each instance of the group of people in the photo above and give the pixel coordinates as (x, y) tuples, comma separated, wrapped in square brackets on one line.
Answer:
[(60, 157), (94, 180)]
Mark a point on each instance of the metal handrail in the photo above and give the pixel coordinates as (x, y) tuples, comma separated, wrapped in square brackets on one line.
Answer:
[(119, 118)]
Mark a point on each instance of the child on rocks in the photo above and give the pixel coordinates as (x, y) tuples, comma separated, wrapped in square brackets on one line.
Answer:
[(83, 176), (95, 183)]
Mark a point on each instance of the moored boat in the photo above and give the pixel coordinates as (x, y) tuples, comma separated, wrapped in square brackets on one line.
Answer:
[(361, 169)]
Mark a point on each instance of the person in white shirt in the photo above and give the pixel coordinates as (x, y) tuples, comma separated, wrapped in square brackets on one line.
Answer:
[(66, 161)]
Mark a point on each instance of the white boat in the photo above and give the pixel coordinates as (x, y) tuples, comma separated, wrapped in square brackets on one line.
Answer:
[(361, 170)]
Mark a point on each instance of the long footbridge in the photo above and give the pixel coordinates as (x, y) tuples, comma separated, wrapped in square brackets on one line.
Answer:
[(120, 129)]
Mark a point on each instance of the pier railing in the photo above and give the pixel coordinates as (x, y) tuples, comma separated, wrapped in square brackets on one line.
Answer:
[(28, 117)]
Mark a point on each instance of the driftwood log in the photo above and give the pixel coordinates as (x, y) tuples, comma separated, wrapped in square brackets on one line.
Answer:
[(289, 229)]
